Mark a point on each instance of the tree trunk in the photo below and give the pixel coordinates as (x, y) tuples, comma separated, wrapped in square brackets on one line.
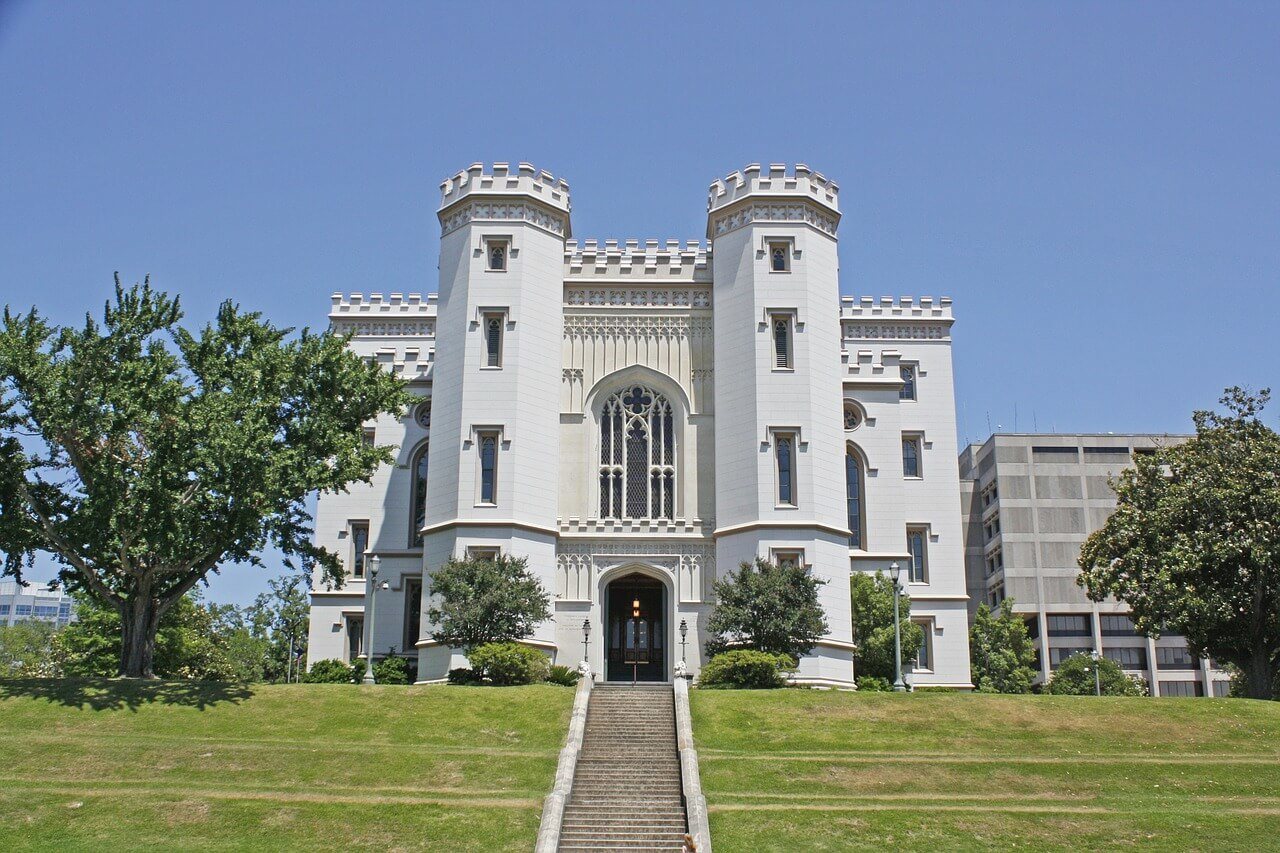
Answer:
[(1260, 676), (139, 620)]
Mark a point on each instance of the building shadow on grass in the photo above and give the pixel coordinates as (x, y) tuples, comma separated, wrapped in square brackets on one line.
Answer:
[(110, 694)]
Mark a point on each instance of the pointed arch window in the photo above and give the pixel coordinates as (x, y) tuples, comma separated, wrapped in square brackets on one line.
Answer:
[(419, 495), (637, 455), (854, 498)]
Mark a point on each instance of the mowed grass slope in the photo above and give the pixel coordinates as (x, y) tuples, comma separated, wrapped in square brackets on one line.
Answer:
[(815, 770), (103, 765)]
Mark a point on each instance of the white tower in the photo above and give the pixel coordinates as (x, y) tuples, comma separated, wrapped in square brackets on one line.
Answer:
[(780, 482), (496, 380)]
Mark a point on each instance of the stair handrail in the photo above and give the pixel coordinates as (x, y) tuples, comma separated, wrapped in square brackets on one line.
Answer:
[(553, 806), (695, 804)]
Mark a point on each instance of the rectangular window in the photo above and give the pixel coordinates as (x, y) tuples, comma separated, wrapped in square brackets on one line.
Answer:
[(355, 637), (1069, 626), (793, 557), (1106, 454), (996, 595), (995, 562), (412, 613), (924, 660), (1055, 454), (1129, 657), (1117, 625), (1057, 656), (22, 610), (916, 547), (495, 252), (1174, 657), (782, 344), (46, 611), (911, 446), (780, 256), (367, 436), (485, 552), (359, 545), (992, 528), (493, 323), (1181, 688), (784, 449), (4, 610), (1221, 689), (488, 443), (908, 389)]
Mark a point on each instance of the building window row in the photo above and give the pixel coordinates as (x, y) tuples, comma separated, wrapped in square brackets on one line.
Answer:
[(991, 529), (995, 561)]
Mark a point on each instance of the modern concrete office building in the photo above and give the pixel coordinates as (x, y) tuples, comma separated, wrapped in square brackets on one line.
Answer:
[(19, 603), (1029, 502)]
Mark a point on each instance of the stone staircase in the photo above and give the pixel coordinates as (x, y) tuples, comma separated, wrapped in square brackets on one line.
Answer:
[(627, 793)]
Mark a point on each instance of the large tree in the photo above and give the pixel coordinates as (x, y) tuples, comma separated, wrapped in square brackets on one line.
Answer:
[(767, 607), (141, 455), (871, 598), (479, 601), (1194, 544), (1002, 655)]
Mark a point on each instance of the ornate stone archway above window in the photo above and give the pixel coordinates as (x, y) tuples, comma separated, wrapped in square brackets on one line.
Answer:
[(690, 565)]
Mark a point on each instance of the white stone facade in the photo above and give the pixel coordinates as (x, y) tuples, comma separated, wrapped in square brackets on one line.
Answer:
[(702, 411)]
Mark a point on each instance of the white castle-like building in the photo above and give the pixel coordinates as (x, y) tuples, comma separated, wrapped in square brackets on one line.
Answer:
[(637, 418)]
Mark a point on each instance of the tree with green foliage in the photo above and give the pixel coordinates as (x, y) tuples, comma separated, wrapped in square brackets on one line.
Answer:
[(190, 643), (767, 607), (280, 620), (871, 597), (1076, 676), (26, 650), (491, 600), (1002, 655), (1194, 544), (150, 454)]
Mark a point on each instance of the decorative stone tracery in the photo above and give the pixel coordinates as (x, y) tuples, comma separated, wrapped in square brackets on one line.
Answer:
[(689, 564)]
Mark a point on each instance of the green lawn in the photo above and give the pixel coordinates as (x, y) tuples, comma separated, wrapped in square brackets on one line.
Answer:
[(103, 765), (817, 770)]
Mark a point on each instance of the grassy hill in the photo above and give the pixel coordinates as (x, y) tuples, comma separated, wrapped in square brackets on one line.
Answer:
[(96, 765), (812, 770)]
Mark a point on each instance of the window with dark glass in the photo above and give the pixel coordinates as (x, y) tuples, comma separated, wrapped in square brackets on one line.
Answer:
[(359, 545), (637, 455), (419, 495), (923, 660), (1069, 625), (908, 389), (910, 456), (785, 450), (778, 257), (782, 342), (1129, 657), (488, 468), (412, 612), (497, 256), (493, 340), (916, 548), (1174, 657), (355, 637), (853, 497), (1114, 625), (852, 417)]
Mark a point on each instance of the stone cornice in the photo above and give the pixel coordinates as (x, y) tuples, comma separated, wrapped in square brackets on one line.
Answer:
[(482, 209), (799, 211)]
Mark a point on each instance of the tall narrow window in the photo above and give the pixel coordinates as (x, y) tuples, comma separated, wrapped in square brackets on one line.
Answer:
[(355, 637), (785, 451), (637, 455), (493, 340), (853, 497), (412, 612), (782, 342), (916, 545), (419, 495), (359, 545), (925, 658), (910, 456), (778, 260), (908, 389), (488, 468), (497, 255)]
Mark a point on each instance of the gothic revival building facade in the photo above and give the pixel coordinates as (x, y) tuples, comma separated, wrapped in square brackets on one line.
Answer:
[(638, 418)]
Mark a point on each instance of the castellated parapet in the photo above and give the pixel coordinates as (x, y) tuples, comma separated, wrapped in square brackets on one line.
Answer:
[(897, 308), (800, 182), (500, 180), (376, 304), (623, 257)]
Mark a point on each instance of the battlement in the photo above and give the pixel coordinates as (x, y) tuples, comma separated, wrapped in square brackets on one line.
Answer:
[(501, 180), (889, 307), (607, 257), (774, 182), (395, 304)]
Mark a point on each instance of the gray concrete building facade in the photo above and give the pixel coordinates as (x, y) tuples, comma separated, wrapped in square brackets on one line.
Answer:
[(1028, 502)]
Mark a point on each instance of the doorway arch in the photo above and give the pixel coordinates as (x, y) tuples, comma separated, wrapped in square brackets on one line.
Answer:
[(636, 607)]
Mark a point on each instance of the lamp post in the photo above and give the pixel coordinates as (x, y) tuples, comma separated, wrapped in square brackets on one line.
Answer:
[(1097, 672), (898, 686), (684, 632), (586, 636), (375, 561)]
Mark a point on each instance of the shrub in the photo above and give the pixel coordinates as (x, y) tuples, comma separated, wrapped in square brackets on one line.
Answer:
[(769, 608), (392, 669), (565, 676), (329, 671), (745, 668), (463, 675), (1075, 677), (874, 684), (871, 598), (480, 601), (1002, 656), (510, 663)]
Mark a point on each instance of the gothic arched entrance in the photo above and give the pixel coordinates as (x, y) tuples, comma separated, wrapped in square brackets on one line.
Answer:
[(635, 639)]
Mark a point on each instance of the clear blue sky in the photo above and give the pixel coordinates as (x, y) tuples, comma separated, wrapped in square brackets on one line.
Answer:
[(1096, 185)]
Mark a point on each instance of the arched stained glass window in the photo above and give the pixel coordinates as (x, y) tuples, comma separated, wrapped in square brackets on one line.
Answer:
[(637, 455), (853, 495), (419, 496)]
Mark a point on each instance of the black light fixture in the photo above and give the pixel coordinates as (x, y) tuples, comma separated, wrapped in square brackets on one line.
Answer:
[(586, 636), (684, 632)]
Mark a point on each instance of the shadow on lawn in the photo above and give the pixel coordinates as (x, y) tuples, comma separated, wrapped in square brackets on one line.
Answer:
[(107, 694)]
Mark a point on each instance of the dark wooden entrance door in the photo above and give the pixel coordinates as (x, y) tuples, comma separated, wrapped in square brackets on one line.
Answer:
[(636, 641)]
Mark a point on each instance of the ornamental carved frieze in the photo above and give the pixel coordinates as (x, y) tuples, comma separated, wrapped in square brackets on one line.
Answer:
[(690, 565), (493, 211), (632, 297), (778, 212), (385, 328), (859, 331), (660, 326)]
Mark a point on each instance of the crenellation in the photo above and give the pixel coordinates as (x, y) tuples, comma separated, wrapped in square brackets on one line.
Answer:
[(903, 307), (413, 304), (499, 180), (610, 257), (777, 180)]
